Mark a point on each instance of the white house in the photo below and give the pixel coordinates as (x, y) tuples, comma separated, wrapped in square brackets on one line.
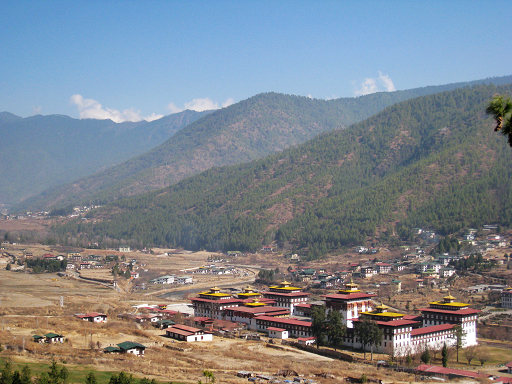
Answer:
[(93, 317), (168, 279), (277, 333), (189, 334), (184, 280)]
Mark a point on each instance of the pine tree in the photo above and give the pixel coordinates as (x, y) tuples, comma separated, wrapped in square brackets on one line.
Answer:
[(425, 356), (91, 378), (26, 375), (444, 354), (6, 374)]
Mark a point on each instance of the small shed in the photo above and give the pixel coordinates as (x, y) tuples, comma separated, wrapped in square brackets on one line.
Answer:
[(132, 347), (53, 338), (93, 317), (306, 340), (38, 339), (277, 333), (112, 350)]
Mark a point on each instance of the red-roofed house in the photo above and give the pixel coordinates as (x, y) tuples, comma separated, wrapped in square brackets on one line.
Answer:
[(450, 373), (277, 333), (189, 334), (383, 267)]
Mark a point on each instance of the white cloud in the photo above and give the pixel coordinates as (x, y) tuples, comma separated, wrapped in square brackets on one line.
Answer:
[(173, 108), (372, 85), (199, 105), (228, 102), (387, 82), (36, 110), (92, 109)]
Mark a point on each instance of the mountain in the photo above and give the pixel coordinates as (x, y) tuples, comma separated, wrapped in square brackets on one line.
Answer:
[(433, 161), (250, 129), (43, 151), (7, 117)]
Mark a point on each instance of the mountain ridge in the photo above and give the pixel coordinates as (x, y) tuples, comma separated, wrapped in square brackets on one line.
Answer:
[(41, 151), (252, 128), (431, 161)]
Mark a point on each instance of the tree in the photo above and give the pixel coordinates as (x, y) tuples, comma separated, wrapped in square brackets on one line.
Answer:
[(16, 377), (43, 378), (368, 333), (470, 353), (6, 374), (425, 356), (64, 374), (318, 326), (499, 108), (210, 378), (122, 378), (335, 329), (459, 336), (444, 354), (26, 375), (54, 373), (91, 378), (483, 356)]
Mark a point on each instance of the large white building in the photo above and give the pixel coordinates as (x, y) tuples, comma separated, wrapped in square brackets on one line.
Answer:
[(406, 334), (403, 334)]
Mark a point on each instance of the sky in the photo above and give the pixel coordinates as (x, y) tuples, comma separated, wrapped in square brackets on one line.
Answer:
[(132, 60)]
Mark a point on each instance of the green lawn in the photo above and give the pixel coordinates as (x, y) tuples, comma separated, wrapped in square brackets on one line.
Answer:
[(495, 355), (77, 373)]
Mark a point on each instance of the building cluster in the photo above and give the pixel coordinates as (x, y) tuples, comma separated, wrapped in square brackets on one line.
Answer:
[(213, 269), (273, 310), (173, 279)]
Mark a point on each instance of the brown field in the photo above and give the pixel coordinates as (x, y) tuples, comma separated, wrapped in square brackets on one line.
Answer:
[(30, 304)]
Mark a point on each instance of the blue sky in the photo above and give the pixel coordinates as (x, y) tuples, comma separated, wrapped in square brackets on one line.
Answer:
[(129, 60)]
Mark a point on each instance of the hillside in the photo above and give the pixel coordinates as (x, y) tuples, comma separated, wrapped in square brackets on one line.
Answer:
[(433, 161), (253, 128), (39, 152)]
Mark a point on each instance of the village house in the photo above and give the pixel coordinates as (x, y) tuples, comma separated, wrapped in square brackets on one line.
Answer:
[(383, 268), (189, 334), (367, 271), (93, 317), (127, 347), (506, 298), (167, 279), (447, 272), (52, 338), (277, 333), (184, 280)]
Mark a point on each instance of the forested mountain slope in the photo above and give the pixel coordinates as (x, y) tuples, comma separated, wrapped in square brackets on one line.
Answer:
[(250, 129), (433, 161), (42, 151)]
